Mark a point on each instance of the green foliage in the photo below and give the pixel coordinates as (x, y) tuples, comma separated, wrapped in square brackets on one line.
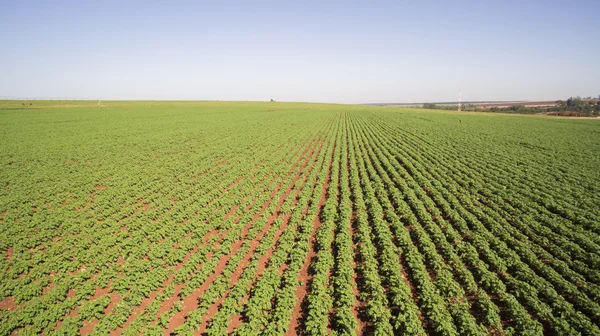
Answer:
[(146, 217)]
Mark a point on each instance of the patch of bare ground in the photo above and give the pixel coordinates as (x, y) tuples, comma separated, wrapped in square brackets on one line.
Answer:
[(88, 326), (9, 253), (234, 322), (71, 293), (8, 303)]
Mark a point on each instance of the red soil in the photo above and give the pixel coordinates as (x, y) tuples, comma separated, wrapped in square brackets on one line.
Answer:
[(71, 293), (101, 187), (8, 303), (9, 253), (48, 288), (144, 207), (88, 327), (234, 323)]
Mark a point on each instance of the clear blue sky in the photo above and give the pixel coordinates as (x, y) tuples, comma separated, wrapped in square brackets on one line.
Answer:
[(344, 51)]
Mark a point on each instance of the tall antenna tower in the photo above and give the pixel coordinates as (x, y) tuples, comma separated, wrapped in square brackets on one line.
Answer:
[(459, 100)]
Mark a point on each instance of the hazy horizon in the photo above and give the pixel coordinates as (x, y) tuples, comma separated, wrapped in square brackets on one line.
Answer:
[(356, 52)]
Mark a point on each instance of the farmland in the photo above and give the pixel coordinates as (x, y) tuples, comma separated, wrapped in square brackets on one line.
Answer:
[(283, 218)]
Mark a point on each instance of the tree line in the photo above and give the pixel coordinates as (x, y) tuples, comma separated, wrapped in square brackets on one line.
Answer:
[(585, 107)]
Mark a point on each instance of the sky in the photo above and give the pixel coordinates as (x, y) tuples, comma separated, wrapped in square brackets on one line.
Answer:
[(317, 51)]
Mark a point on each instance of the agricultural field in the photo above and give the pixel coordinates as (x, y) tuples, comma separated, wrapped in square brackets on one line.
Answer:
[(216, 218)]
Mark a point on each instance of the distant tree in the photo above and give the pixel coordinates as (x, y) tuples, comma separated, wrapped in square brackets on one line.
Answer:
[(272, 100), (575, 101), (517, 108), (430, 106)]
